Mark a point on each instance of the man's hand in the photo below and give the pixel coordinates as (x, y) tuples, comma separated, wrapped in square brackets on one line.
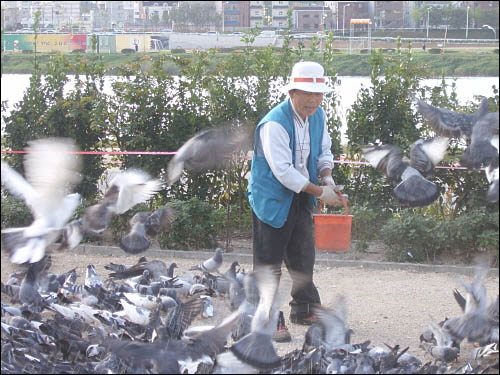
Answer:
[(329, 196), (328, 181)]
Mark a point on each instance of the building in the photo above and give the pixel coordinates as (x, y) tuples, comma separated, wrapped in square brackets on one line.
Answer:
[(236, 14)]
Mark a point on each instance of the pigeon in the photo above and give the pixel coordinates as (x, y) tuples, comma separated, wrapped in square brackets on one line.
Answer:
[(444, 350), (51, 170), (206, 150), (28, 291), (210, 265), (126, 189), (257, 348), (136, 241), (72, 235), (481, 127), (333, 324), (413, 190), (91, 278), (156, 268), (479, 323), (159, 221)]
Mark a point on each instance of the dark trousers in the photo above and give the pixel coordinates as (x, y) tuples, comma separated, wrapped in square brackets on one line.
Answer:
[(294, 244)]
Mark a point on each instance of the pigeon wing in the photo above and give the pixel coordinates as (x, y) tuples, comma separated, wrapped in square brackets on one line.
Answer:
[(445, 122), (426, 154)]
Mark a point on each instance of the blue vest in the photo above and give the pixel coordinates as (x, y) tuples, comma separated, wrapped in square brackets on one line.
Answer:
[(269, 198)]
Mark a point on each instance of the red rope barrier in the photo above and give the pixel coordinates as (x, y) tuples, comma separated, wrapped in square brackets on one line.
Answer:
[(174, 152)]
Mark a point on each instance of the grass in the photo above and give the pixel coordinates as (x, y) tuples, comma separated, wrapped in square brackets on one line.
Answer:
[(452, 63)]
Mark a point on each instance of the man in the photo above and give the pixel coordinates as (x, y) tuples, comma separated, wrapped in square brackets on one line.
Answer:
[(291, 148)]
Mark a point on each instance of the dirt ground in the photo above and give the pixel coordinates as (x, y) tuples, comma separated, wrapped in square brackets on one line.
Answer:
[(384, 306)]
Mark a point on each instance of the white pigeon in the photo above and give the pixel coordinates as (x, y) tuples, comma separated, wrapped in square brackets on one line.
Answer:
[(51, 170), (126, 189)]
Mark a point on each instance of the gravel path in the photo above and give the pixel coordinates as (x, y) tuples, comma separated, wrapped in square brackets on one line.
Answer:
[(384, 306)]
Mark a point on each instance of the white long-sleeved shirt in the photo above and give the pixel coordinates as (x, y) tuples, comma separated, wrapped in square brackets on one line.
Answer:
[(275, 144)]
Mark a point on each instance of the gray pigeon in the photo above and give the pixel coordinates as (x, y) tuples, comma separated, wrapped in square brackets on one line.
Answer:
[(479, 323), (413, 190), (482, 129), (206, 150), (210, 265), (444, 350), (159, 221), (257, 348), (50, 169), (333, 324), (136, 241)]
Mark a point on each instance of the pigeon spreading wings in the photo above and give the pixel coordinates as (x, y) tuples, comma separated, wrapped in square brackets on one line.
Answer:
[(51, 169), (413, 190), (208, 149), (126, 189), (482, 129)]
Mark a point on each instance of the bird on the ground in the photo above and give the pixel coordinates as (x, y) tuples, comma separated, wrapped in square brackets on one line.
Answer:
[(414, 190), (208, 149), (155, 267), (210, 265), (51, 170), (444, 350)]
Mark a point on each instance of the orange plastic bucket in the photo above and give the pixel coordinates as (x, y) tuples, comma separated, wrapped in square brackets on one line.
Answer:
[(333, 232)]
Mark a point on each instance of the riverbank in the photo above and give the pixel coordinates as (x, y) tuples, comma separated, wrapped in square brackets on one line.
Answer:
[(452, 63)]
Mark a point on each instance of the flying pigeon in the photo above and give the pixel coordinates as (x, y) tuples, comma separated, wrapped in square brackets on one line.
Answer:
[(479, 323), (50, 169), (333, 324), (481, 127), (159, 221), (136, 241), (206, 150), (126, 189), (210, 265), (257, 348), (413, 190)]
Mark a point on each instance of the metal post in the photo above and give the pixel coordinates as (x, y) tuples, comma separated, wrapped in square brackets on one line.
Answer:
[(343, 18), (337, 16), (467, 24), (428, 23)]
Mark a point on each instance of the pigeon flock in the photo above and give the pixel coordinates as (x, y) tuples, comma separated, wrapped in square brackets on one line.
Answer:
[(415, 190), (140, 319)]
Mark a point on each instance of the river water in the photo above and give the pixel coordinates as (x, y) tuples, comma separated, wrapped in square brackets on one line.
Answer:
[(14, 86)]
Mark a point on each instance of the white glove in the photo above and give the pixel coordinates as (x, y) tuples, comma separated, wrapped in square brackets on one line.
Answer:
[(328, 180), (329, 196)]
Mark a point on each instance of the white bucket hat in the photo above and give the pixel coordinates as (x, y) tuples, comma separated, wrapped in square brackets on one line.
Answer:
[(307, 76)]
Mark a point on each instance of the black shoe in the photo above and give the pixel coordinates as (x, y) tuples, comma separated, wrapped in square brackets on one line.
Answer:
[(303, 319), (282, 334)]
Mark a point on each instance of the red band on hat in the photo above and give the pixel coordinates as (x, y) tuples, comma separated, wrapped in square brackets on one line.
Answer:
[(317, 80)]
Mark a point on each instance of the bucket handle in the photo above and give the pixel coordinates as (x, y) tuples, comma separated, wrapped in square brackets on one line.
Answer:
[(344, 201)]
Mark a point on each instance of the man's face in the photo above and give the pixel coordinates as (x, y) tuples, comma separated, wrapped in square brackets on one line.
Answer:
[(305, 102)]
